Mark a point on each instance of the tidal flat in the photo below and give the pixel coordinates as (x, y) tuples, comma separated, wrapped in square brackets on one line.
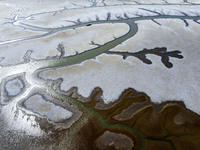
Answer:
[(106, 75)]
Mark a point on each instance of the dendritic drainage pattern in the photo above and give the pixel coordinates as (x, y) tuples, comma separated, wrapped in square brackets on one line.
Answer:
[(99, 74)]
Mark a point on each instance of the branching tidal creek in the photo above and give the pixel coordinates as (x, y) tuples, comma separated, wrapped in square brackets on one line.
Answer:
[(149, 126)]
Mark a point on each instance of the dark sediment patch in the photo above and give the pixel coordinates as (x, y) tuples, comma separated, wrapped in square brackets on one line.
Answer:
[(156, 126), (132, 118)]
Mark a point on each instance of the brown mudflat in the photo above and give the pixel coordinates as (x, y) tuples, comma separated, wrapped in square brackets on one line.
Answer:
[(135, 120)]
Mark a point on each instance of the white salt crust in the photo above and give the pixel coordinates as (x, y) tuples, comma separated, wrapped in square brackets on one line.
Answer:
[(113, 74), (19, 122), (14, 87), (39, 105)]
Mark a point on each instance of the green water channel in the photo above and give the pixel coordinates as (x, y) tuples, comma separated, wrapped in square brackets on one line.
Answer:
[(92, 53)]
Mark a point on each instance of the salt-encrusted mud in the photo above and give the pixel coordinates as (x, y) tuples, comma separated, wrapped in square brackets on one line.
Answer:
[(71, 72), (13, 86)]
